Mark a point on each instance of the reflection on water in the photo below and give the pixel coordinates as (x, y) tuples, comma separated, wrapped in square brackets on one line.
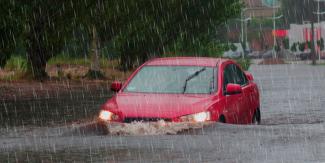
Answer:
[(49, 111), (90, 155)]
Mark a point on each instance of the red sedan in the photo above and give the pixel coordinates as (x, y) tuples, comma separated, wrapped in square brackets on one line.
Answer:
[(185, 89)]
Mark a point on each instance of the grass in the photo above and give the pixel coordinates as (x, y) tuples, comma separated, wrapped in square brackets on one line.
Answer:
[(64, 60), (60, 59), (16, 63), (13, 76), (16, 67)]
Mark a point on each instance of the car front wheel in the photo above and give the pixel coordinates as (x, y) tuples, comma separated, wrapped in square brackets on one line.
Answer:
[(256, 117)]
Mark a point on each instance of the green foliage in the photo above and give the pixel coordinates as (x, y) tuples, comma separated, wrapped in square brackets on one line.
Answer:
[(286, 43), (294, 47), (309, 44), (134, 30), (64, 59), (16, 63), (203, 46), (277, 48), (44, 28), (156, 32), (233, 47), (244, 63), (302, 46), (225, 47), (320, 43)]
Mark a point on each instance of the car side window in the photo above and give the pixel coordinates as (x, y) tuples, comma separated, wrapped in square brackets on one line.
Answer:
[(227, 76), (233, 74), (239, 76)]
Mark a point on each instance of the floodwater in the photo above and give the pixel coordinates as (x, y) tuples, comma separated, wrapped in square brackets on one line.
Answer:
[(62, 128)]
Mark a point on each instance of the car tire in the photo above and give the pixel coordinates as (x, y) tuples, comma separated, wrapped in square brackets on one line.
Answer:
[(256, 117), (222, 119)]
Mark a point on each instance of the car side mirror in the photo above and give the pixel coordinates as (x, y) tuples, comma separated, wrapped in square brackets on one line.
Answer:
[(233, 89), (249, 76), (116, 86)]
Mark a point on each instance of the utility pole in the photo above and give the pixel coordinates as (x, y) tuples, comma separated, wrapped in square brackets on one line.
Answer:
[(274, 27), (318, 13), (274, 37), (313, 56), (244, 20)]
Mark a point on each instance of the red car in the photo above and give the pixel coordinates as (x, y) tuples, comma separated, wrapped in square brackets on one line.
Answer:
[(185, 89)]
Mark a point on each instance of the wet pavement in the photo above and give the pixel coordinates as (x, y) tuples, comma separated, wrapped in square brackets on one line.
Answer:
[(292, 129)]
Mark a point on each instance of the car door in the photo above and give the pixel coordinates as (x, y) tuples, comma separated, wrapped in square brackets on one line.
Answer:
[(232, 102), (245, 105)]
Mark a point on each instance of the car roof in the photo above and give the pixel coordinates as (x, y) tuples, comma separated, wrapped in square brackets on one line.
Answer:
[(186, 61)]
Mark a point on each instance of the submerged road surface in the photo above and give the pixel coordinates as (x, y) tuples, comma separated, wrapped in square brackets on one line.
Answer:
[(292, 130)]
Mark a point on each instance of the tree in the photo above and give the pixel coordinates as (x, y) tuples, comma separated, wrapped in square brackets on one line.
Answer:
[(44, 26), (302, 46), (8, 32), (137, 30), (320, 43), (294, 47), (286, 43), (161, 24)]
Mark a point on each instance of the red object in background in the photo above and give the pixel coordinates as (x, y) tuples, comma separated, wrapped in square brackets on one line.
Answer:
[(240, 106), (280, 33), (306, 34), (116, 86)]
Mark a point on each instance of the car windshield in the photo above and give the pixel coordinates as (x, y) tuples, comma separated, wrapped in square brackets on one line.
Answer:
[(173, 79)]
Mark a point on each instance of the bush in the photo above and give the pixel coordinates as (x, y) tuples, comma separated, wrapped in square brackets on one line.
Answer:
[(320, 43), (302, 46), (66, 59), (233, 47), (17, 63), (244, 63), (286, 43), (294, 47)]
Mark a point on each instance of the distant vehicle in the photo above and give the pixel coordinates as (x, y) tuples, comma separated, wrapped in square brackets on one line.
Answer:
[(235, 53), (254, 55), (268, 54), (185, 89), (232, 54), (305, 56), (322, 55)]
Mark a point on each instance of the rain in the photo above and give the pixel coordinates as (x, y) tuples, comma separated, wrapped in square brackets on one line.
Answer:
[(60, 63)]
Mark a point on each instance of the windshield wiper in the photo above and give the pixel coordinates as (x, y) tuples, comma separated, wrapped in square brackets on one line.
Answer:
[(191, 77)]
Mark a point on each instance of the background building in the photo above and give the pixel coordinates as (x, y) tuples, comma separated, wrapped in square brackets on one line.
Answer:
[(258, 30), (301, 33), (261, 8)]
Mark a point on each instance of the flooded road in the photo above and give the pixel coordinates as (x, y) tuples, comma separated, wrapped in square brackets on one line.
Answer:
[(292, 130)]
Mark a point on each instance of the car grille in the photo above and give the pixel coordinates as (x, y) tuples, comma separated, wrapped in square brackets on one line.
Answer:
[(137, 119)]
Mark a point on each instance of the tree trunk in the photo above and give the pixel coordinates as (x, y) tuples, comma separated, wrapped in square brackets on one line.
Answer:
[(94, 66), (36, 55), (37, 64), (126, 60), (3, 59), (94, 71), (313, 51)]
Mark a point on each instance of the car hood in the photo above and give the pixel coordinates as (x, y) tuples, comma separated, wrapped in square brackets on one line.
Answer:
[(157, 105)]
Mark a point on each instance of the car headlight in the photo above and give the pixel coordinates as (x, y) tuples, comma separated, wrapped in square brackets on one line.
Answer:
[(107, 115), (198, 117)]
